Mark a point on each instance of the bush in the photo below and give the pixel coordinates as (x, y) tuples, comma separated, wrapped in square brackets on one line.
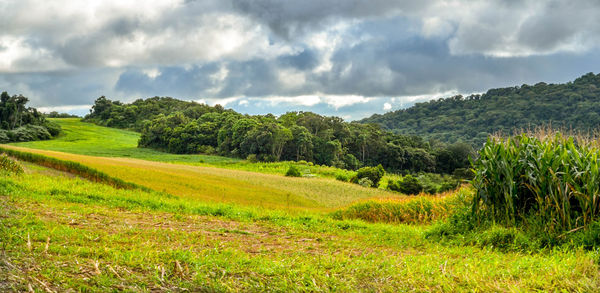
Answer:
[(409, 185), (449, 185), (342, 176), (4, 136), (293, 172), (53, 128), (252, 158), (30, 132), (365, 182), (207, 150), (373, 173)]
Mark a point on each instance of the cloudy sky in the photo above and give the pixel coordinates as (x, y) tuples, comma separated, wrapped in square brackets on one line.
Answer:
[(348, 58)]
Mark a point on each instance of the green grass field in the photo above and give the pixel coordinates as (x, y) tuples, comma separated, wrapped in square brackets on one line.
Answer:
[(60, 233), (215, 224)]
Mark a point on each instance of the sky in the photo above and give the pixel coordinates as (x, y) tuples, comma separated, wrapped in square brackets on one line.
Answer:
[(348, 58)]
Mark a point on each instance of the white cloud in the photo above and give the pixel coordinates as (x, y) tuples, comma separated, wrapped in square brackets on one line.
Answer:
[(339, 101), (54, 35), (304, 100), (66, 109), (421, 98), (291, 78), (387, 106), (436, 27), (152, 73)]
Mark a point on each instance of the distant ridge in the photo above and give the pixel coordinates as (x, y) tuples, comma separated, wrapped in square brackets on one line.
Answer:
[(471, 119)]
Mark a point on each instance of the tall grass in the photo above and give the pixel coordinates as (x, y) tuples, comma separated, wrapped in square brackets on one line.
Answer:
[(544, 176), (419, 209)]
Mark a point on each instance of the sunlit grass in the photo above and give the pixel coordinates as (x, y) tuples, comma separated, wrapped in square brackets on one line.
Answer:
[(419, 209), (93, 140), (227, 186), (60, 233)]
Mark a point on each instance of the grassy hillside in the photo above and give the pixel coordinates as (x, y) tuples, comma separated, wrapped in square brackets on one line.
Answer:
[(62, 233), (225, 185), (471, 119), (90, 139)]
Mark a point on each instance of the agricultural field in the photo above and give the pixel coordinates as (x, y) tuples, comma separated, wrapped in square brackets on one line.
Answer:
[(61, 233), (208, 223)]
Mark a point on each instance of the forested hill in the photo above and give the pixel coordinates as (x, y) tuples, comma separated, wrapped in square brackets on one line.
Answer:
[(470, 119)]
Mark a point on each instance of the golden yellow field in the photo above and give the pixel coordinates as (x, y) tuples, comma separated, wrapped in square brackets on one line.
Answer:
[(228, 186)]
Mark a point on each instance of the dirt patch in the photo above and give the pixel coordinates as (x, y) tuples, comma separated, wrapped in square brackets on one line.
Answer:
[(255, 238)]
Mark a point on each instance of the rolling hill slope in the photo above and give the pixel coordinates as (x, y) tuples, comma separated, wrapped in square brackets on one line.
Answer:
[(471, 119)]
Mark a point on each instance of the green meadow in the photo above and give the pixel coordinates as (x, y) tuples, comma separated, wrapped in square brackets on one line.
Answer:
[(93, 140)]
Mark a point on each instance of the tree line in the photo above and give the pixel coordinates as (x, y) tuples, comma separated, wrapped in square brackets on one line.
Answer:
[(21, 123), (188, 127), (471, 119)]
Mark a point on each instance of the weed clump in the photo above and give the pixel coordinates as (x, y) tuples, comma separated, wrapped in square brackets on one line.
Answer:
[(9, 165)]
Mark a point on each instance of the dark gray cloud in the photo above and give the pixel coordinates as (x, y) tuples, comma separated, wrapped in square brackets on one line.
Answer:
[(349, 57)]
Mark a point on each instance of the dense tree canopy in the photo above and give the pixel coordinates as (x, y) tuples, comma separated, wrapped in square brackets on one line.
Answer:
[(21, 123), (187, 127), (471, 119)]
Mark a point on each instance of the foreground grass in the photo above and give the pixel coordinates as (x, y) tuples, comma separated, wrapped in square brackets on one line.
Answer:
[(62, 233)]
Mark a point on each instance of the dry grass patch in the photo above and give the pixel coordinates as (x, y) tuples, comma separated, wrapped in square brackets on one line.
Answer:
[(225, 185)]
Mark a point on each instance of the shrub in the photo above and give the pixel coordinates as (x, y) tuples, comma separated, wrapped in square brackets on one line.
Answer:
[(409, 185), (293, 172), (373, 173), (30, 132), (365, 182), (252, 158), (342, 176), (449, 185), (52, 127), (4, 136)]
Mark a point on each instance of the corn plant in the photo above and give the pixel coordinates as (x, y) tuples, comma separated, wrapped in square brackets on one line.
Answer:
[(552, 177)]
